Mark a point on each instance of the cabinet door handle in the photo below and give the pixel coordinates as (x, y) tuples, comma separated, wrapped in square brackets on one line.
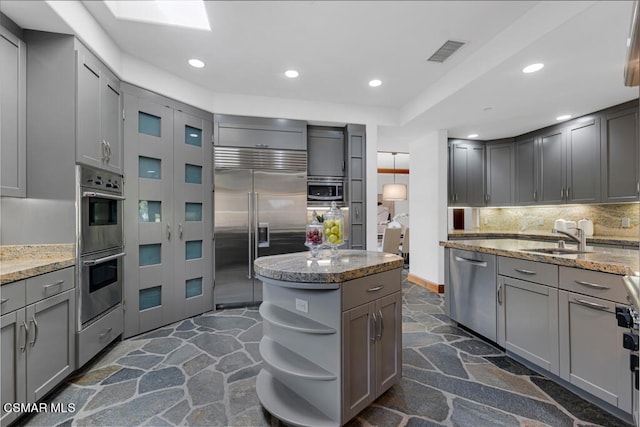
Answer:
[(590, 304), (24, 326), (535, 195), (168, 232), (523, 271), (3, 300), (562, 194), (51, 285), (500, 294), (373, 329), (591, 285), (103, 148), (105, 333), (567, 195), (471, 261), (381, 322), (376, 289), (180, 231), (35, 331), (357, 213)]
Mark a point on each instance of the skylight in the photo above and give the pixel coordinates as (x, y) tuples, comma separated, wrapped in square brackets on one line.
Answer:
[(180, 13)]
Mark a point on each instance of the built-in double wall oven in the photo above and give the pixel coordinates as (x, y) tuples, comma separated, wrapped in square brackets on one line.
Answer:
[(100, 243)]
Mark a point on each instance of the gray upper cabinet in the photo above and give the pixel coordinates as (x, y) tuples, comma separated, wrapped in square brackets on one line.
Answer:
[(13, 130), (500, 173), (583, 162), (325, 151), (259, 132), (356, 185), (620, 156), (467, 175), (99, 114), (526, 172), (551, 167)]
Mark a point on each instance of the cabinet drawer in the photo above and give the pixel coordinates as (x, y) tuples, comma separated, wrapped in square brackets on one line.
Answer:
[(593, 283), (100, 333), (531, 271), (366, 289), (12, 296), (46, 285)]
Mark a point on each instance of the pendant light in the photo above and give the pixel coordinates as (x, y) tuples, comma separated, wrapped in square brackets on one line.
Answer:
[(394, 191)]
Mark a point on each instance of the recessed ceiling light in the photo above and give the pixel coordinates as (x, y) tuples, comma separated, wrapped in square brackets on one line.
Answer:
[(473, 135), (196, 63), (564, 117), (533, 68), (292, 74), (375, 83)]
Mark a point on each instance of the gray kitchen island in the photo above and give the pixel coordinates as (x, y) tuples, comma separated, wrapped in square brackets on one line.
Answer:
[(332, 340)]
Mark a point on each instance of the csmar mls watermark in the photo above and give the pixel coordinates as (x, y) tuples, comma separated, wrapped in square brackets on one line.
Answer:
[(39, 407)]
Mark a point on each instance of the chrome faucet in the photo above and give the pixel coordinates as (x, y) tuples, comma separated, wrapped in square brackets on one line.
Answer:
[(580, 237)]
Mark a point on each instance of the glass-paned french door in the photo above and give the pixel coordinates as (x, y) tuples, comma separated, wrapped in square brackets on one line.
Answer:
[(168, 214)]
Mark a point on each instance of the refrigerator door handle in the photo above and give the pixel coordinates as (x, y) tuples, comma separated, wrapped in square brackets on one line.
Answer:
[(249, 234), (255, 225)]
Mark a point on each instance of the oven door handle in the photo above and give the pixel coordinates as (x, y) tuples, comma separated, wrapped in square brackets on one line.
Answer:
[(102, 260), (102, 195)]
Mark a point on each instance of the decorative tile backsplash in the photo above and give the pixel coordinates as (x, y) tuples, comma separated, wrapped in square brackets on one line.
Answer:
[(607, 218)]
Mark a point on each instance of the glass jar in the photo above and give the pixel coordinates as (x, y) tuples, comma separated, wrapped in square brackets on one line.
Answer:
[(314, 236), (333, 228)]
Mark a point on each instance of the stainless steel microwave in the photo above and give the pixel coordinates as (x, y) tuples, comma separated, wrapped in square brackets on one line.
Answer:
[(325, 190)]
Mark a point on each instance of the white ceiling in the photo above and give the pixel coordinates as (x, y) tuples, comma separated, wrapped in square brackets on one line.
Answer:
[(338, 46)]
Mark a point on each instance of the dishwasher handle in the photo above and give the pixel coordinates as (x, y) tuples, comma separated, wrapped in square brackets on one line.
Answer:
[(471, 261)]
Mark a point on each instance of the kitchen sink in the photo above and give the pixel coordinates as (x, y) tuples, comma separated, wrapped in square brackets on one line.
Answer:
[(555, 251)]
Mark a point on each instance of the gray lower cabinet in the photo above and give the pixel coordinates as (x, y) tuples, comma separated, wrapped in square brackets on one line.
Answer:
[(356, 186), (528, 321), (38, 349), (591, 353), (329, 349), (528, 311), (372, 335), (13, 128)]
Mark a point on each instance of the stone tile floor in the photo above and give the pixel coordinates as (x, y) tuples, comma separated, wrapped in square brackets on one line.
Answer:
[(201, 372)]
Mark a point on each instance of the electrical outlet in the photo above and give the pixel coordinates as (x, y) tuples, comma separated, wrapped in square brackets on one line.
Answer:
[(485, 220), (302, 305), (626, 222), (540, 221)]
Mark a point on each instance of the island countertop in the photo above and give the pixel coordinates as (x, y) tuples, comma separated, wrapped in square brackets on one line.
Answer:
[(348, 265), (607, 260)]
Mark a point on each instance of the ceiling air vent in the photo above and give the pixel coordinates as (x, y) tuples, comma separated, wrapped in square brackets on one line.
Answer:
[(446, 50)]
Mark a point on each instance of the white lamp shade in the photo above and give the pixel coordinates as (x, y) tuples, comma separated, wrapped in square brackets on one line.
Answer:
[(394, 192)]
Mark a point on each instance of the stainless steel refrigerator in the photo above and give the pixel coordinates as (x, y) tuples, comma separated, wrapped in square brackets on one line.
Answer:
[(260, 209)]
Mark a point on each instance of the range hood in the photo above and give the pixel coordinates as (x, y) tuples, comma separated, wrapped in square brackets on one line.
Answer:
[(632, 67)]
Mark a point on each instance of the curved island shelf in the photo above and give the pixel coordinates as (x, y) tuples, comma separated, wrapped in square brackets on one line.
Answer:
[(288, 320), (328, 324), (287, 362)]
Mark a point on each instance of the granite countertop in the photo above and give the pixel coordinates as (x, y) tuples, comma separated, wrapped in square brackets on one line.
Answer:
[(551, 237), (19, 262), (607, 260), (350, 264)]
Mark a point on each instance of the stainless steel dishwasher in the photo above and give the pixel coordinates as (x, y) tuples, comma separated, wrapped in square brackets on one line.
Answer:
[(470, 291)]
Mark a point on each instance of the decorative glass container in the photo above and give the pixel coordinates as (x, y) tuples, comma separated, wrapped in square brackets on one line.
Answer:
[(333, 229), (315, 236)]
